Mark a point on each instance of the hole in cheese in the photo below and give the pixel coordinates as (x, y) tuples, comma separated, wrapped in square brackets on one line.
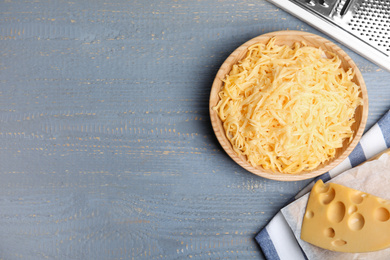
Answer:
[(357, 197), (382, 214), (329, 232), (309, 214), (383, 201), (356, 222), (339, 242), (327, 197), (352, 209), (322, 188), (336, 212)]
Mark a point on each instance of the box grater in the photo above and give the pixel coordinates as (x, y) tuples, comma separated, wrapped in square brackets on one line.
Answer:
[(361, 25)]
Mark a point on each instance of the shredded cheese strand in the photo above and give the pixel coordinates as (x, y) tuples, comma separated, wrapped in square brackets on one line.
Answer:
[(288, 109)]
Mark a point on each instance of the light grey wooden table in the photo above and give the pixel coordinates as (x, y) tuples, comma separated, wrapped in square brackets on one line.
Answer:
[(106, 148)]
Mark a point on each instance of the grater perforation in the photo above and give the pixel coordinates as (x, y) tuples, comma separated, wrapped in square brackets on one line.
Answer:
[(362, 25), (370, 22)]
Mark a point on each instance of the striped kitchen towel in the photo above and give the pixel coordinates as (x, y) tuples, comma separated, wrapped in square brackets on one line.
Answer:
[(277, 240)]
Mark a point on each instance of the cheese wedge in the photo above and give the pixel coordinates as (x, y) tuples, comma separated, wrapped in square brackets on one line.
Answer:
[(342, 219)]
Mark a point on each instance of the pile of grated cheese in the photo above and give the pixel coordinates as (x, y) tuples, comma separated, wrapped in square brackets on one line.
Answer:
[(288, 108)]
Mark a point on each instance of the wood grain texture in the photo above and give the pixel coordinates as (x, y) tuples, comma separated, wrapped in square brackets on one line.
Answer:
[(106, 146)]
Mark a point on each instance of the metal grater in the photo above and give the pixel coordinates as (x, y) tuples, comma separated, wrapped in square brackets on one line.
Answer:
[(361, 25)]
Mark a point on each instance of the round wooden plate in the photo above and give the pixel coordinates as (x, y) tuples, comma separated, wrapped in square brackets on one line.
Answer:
[(289, 38)]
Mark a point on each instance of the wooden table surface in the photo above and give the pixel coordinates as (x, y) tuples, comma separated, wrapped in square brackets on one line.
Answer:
[(106, 146)]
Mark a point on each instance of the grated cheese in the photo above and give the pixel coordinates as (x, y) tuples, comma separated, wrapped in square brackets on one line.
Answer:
[(288, 108)]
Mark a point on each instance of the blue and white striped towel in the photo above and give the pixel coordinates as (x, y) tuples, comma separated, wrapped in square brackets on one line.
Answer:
[(277, 239)]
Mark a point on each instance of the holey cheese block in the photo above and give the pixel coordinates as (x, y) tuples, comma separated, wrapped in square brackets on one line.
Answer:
[(342, 219)]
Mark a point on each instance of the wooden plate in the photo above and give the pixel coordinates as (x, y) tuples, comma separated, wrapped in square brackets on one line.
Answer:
[(289, 38)]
